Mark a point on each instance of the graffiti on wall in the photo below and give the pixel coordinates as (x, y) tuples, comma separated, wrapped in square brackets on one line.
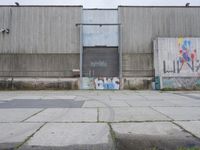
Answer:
[(101, 83), (178, 62), (187, 56), (186, 60), (107, 83), (99, 64)]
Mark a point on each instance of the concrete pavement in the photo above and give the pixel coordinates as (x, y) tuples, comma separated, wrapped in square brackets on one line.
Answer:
[(99, 120)]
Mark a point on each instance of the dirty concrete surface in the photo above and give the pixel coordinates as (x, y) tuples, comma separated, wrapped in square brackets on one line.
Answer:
[(99, 120)]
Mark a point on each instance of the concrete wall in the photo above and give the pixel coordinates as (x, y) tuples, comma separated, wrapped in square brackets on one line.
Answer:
[(141, 25), (186, 83), (105, 35), (138, 83), (38, 65), (39, 83), (137, 65)]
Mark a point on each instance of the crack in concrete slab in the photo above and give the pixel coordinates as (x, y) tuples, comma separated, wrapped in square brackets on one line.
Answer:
[(28, 138)]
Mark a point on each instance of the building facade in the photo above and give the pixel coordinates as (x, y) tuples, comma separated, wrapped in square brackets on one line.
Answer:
[(74, 48)]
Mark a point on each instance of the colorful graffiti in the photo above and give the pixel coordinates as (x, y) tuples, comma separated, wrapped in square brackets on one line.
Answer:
[(107, 83), (187, 56), (101, 83), (178, 62), (185, 61)]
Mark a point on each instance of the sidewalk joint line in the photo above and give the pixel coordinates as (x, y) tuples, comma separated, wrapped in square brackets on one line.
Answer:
[(29, 137), (186, 130), (113, 136), (171, 119), (97, 114), (33, 115)]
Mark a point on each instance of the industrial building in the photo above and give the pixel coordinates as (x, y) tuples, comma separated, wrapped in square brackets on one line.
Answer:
[(68, 47)]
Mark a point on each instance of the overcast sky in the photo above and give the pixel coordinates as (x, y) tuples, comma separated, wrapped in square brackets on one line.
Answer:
[(102, 3)]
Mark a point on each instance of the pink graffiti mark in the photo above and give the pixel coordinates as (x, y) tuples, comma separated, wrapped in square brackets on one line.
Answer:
[(186, 55)]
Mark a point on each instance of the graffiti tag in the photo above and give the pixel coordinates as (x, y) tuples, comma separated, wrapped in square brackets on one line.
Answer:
[(98, 64), (107, 83)]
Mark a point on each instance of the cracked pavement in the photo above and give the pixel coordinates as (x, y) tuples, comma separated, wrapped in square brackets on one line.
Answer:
[(99, 120)]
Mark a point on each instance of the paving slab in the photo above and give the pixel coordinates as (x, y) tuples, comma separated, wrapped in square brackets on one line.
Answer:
[(151, 135), (7, 95), (28, 97), (127, 97), (80, 98), (66, 115), (41, 97), (36, 95), (180, 113), (64, 97), (100, 97), (6, 98), (13, 134), (90, 136), (191, 126), (129, 114), (162, 96), (185, 103), (105, 104), (38, 103), (142, 103), (189, 95), (152, 97), (195, 94), (16, 115)]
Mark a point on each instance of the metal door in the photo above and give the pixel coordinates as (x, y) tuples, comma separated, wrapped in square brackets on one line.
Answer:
[(100, 62)]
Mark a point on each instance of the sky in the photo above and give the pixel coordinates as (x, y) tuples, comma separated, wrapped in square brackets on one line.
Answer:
[(104, 3)]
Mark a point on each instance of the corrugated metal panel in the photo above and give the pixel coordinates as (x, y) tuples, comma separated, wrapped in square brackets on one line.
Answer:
[(100, 62), (100, 35), (4, 23), (137, 65), (100, 16), (140, 25), (178, 57), (38, 65), (155, 57), (40, 29)]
